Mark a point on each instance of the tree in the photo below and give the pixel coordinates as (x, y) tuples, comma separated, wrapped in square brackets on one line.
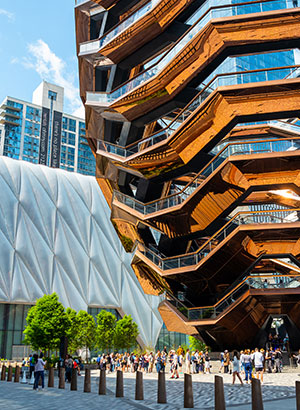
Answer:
[(86, 331), (106, 323), (126, 332), (72, 330), (196, 344), (46, 323)]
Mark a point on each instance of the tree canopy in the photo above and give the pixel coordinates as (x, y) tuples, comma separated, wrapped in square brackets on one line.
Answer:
[(126, 332), (196, 344), (106, 323), (46, 323)]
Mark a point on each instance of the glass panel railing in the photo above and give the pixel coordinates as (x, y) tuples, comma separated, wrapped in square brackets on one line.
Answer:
[(218, 81), (95, 45), (242, 218), (262, 282), (209, 14), (232, 149)]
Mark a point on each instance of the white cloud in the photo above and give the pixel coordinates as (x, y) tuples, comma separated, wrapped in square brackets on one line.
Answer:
[(52, 68), (7, 14)]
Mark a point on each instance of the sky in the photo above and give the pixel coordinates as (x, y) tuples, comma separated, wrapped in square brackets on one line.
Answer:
[(37, 42)]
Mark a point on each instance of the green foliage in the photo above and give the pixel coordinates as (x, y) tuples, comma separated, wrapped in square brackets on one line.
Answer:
[(51, 361), (82, 331), (106, 323), (196, 344), (47, 322), (126, 332)]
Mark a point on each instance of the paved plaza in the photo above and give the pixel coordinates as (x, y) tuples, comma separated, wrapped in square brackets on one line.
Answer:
[(278, 393)]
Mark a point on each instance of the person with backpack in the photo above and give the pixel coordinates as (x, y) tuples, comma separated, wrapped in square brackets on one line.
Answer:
[(31, 365)]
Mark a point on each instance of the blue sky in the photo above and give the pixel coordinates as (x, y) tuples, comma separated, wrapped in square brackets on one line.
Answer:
[(37, 41)]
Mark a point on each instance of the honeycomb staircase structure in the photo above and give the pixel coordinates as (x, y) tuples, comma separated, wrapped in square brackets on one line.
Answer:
[(192, 111)]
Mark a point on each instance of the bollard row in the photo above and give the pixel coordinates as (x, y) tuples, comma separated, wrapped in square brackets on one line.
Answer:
[(256, 391)]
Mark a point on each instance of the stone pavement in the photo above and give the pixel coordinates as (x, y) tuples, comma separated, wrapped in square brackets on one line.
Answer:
[(278, 393)]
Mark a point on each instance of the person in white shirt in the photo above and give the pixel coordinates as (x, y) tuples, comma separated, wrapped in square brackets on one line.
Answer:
[(174, 367), (188, 361), (258, 359), (236, 367), (38, 371)]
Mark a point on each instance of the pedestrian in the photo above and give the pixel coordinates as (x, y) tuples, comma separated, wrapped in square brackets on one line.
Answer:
[(236, 367), (268, 361), (38, 371), (248, 366), (158, 361), (297, 358), (206, 363), (31, 365), (226, 361), (278, 360), (258, 359), (174, 366), (68, 367), (188, 361), (222, 356)]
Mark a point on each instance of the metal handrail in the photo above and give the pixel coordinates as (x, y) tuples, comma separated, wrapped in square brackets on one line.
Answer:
[(236, 5), (118, 194), (236, 218), (202, 91), (214, 310)]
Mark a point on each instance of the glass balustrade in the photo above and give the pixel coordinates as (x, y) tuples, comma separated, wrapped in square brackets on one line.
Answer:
[(257, 282), (232, 149), (218, 81), (242, 218), (208, 14), (94, 46)]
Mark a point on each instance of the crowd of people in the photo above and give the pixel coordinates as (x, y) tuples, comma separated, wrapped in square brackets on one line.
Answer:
[(195, 362), (245, 363), (242, 365)]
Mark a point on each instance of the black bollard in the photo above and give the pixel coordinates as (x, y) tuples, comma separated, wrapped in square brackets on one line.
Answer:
[(119, 384), (74, 380), (298, 395), (188, 392), (161, 391), (102, 382), (61, 384), (257, 402), (139, 389), (51, 377), (3, 372), (219, 394), (87, 381), (9, 374), (17, 374)]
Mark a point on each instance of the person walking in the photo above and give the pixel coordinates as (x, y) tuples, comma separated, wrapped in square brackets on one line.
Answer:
[(248, 366), (31, 365), (188, 361), (226, 361), (206, 363), (68, 367), (174, 367), (38, 371), (236, 368), (258, 359)]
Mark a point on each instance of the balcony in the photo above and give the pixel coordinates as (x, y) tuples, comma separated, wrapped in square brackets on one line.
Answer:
[(141, 26), (231, 237), (188, 57)]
